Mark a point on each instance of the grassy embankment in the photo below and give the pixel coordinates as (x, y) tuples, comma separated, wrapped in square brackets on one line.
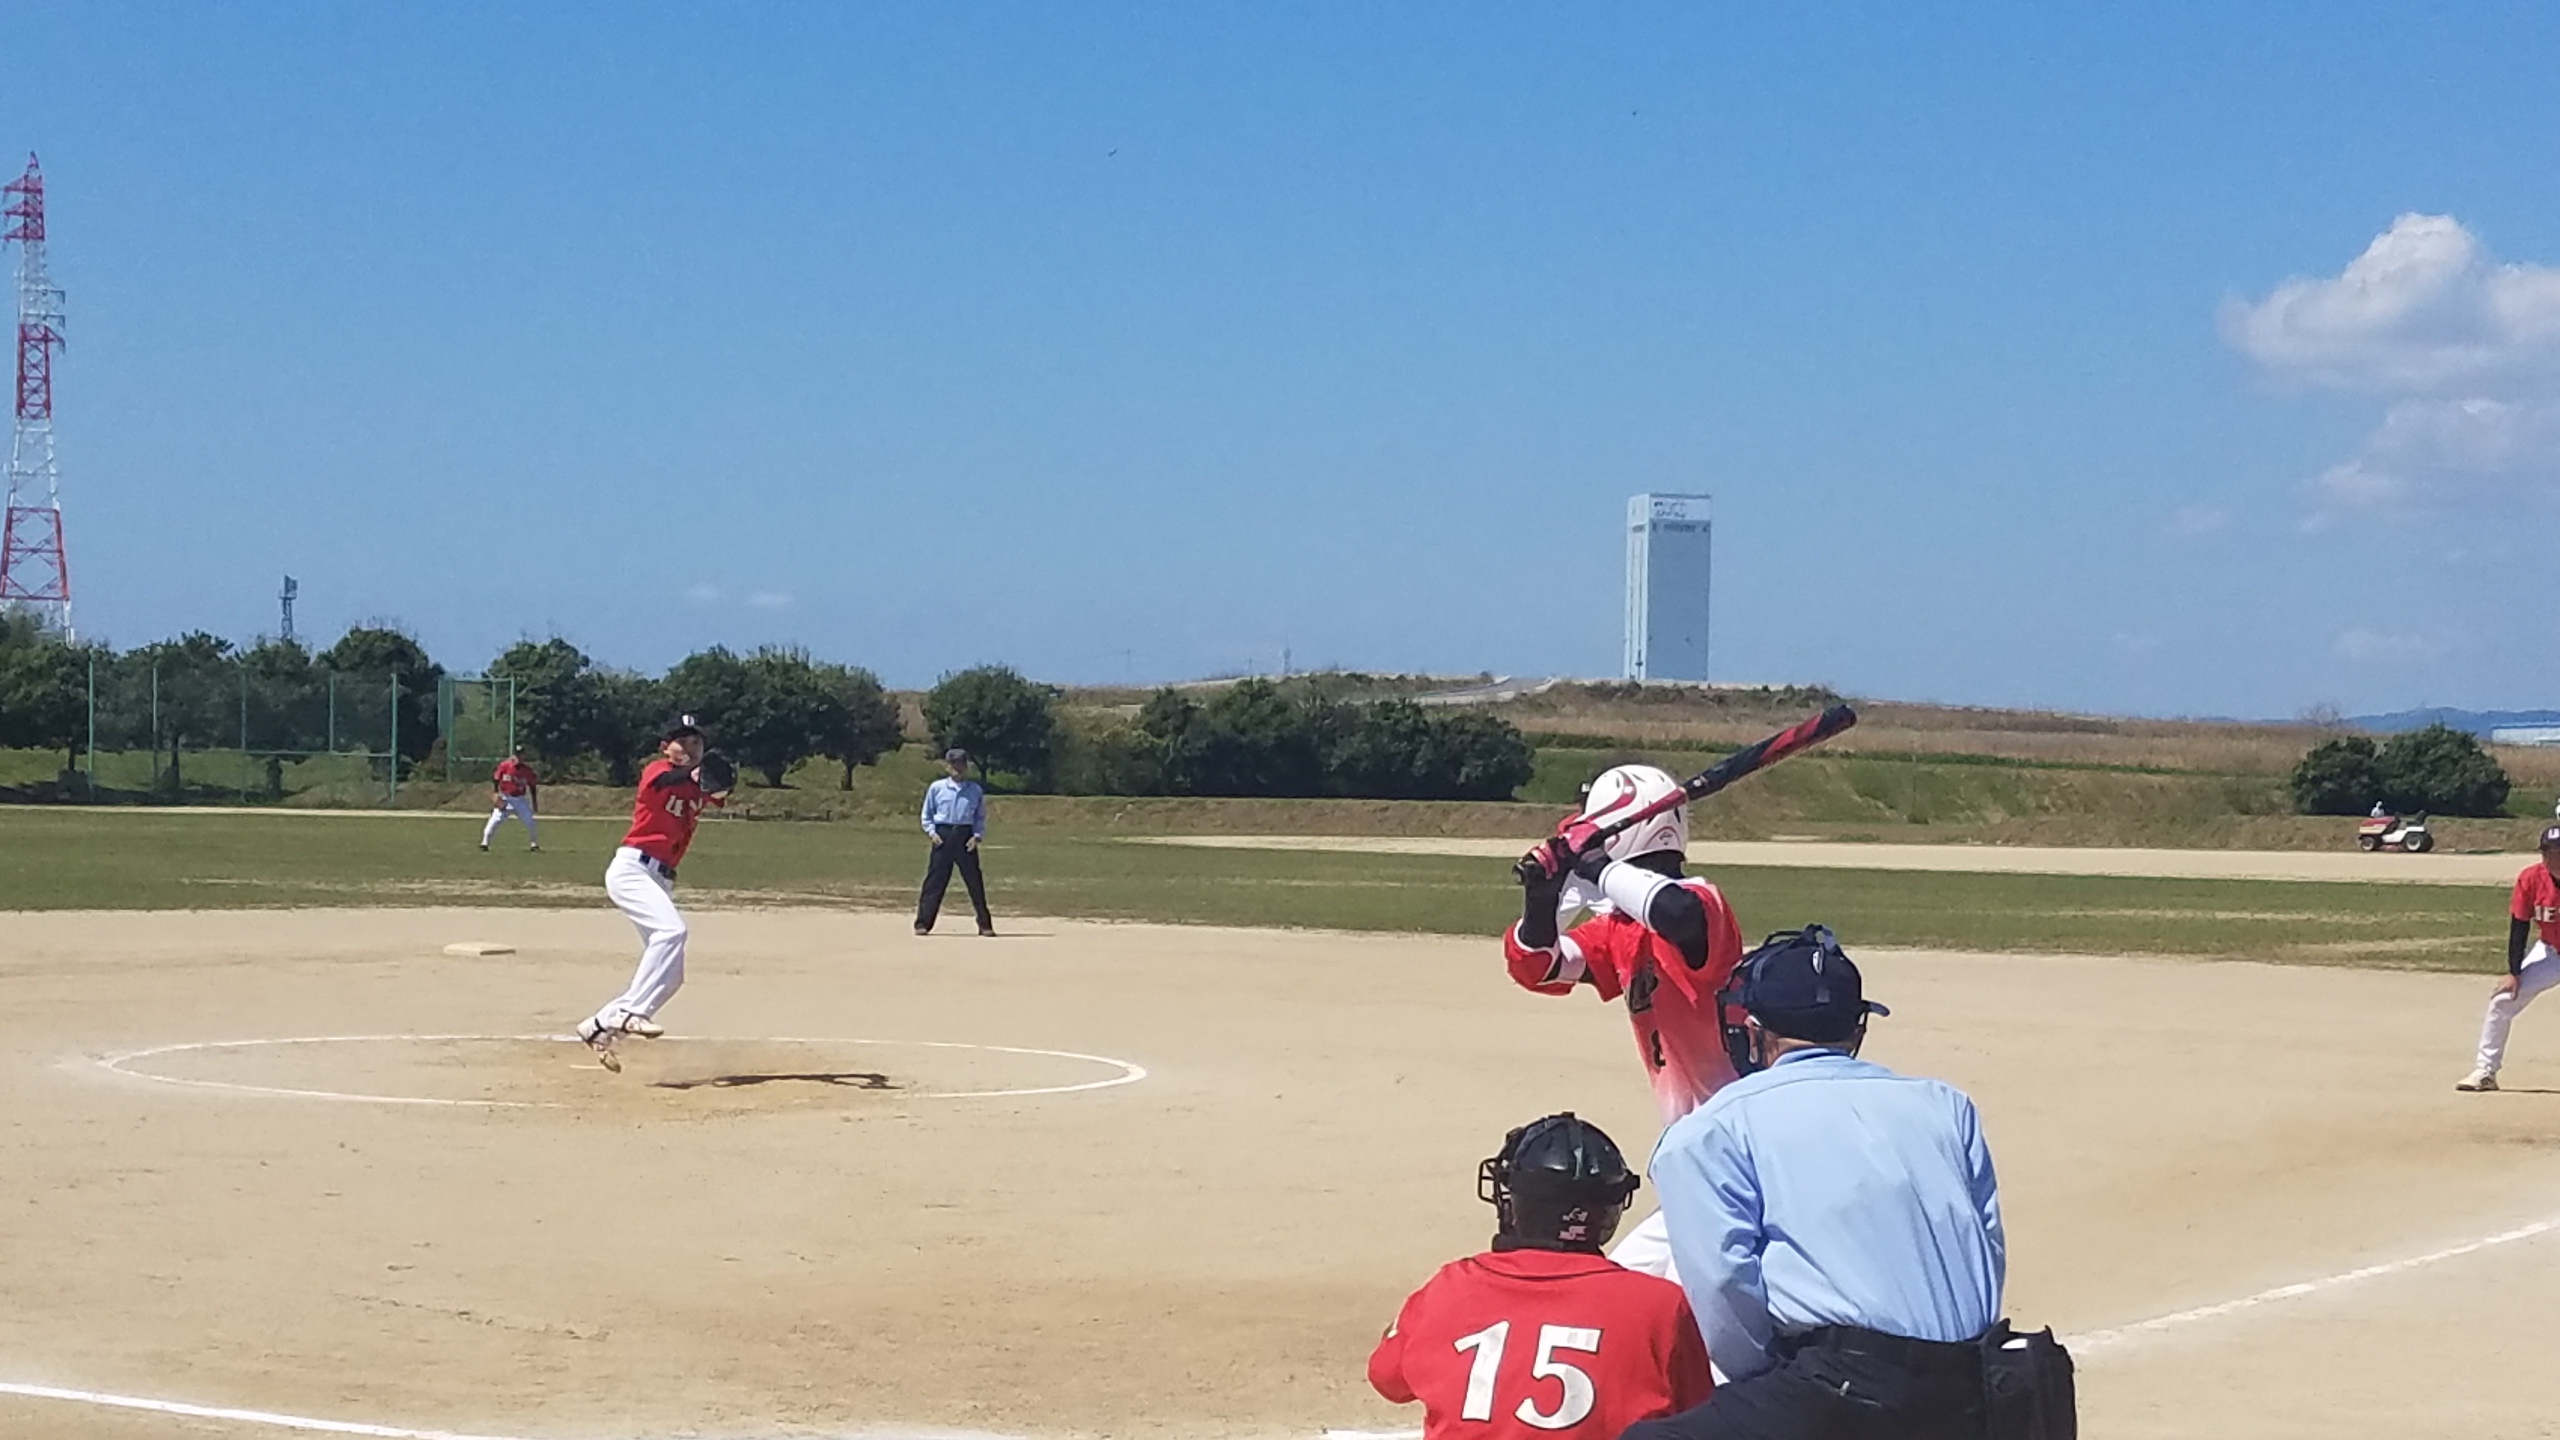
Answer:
[(64, 858), (1907, 773)]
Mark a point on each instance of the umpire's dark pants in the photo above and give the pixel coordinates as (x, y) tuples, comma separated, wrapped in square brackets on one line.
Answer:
[(951, 847), (1841, 1383)]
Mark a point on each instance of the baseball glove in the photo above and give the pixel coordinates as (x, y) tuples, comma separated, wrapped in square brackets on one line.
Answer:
[(717, 774)]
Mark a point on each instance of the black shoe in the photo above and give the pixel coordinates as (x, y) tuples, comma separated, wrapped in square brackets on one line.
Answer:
[(924, 929), (986, 932)]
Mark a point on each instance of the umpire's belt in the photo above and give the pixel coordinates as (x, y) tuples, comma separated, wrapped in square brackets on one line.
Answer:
[(1919, 1357)]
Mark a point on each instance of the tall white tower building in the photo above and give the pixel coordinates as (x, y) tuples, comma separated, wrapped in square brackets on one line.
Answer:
[(1669, 558)]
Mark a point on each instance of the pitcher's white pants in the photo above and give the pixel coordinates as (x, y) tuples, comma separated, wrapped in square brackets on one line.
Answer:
[(521, 807), (2541, 971), (1648, 1248), (648, 900)]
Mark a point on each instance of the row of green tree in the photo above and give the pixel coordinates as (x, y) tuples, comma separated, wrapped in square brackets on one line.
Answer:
[(2438, 770), (376, 691), (1252, 738)]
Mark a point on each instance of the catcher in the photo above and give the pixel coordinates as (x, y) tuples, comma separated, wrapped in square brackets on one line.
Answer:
[(1663, 940), (1542, 1334), (641, 881)]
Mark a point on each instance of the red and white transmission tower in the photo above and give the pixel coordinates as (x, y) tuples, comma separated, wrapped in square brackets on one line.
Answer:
[(33, 569)]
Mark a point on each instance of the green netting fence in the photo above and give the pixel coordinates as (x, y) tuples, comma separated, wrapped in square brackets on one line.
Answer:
[(209, 729)]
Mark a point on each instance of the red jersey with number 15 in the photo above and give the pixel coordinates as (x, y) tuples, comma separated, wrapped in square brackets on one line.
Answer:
[(2537, 899), (664, 813), (1528, 1344)]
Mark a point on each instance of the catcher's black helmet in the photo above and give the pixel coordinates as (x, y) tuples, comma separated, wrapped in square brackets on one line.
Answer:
[(1555, 1179)]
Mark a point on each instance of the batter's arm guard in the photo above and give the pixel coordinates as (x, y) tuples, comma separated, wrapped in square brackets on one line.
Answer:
[(1551, 969)]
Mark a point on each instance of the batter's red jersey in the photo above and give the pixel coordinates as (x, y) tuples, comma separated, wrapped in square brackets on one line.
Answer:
[(663, 815), (1532, 1344), (2537, 899), (513, 777), (1672, 1006)]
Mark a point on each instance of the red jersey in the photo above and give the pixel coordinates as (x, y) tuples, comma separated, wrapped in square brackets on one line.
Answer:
[(664, 813), (513, 777), (1672, 1007), (1529, 1344), (2537, 899)]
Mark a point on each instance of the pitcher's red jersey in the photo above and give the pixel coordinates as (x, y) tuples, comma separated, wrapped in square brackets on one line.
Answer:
[(513, 777), (1672, 1007), (1535, 1344), (663, 814)]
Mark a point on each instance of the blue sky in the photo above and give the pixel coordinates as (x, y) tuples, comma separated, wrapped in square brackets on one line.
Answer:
[(1145, 341)]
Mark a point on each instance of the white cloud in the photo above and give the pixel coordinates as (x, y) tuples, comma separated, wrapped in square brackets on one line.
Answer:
[(2384, 647), (2464, 351), (769, 600), (703, 593)]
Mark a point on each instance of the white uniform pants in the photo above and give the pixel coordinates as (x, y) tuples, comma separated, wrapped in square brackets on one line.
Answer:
[(2540, 972), (648, 900), (521, 807), (1648, 1248)]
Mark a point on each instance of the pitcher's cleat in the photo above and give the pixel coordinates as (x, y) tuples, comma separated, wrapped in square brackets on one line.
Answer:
[(642, 1026), (2478, 1080), (600, 1040)]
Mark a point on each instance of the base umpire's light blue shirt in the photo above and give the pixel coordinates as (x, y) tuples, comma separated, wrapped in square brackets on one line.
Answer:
[(1826, 1190), (955, 802)]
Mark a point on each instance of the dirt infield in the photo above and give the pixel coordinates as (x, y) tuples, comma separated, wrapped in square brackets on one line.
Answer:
[(2340, 865), (746, 1237)]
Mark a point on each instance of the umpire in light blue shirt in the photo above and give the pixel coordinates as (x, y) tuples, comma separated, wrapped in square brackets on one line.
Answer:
[(1837, 1227), (955, 820)]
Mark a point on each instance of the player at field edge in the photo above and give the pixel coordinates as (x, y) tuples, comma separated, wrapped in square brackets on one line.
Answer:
[(641, 882), (514, 790), (1664, 940), (2533, 960), (1542, 1334)]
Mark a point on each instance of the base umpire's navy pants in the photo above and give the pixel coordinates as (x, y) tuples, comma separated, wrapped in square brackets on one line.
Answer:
[(951, 847)]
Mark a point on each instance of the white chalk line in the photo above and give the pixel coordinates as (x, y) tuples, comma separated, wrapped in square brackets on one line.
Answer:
[(2080, 1344), (244, 1417), (1130, 1071), (2100, 1339)]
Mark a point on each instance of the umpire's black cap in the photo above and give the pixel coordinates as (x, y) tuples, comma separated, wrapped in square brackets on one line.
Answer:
[(1802, 985)]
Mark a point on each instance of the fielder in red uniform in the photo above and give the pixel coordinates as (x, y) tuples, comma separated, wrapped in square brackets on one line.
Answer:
[(1543, 1335), (1664, 941), (641, 882), (2533, 959), (513, 790)]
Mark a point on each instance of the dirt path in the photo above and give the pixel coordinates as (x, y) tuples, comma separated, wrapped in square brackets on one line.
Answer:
[(749, 1237), (2341, 865)]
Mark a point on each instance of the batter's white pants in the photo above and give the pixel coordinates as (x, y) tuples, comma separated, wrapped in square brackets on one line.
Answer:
[(648, 900), (1648, 1248), (521, 807), (2540, 972)]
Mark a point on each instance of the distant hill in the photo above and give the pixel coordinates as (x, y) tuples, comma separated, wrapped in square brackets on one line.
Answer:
[(2477, 722)]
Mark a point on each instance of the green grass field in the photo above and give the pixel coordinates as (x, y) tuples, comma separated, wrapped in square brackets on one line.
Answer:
[(70, 859)]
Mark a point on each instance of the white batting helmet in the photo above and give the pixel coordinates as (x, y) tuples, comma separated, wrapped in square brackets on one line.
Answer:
[(1631, 787)]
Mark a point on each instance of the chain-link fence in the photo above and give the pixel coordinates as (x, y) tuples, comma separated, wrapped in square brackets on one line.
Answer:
[(175, 727), (476, 716)]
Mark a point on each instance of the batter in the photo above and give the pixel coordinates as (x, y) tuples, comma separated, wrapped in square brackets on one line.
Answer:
[(1663, 940)]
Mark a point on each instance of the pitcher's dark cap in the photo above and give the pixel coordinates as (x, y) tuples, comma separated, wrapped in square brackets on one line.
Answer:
[(1802, 985), (679, 728), (2551, 838)]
